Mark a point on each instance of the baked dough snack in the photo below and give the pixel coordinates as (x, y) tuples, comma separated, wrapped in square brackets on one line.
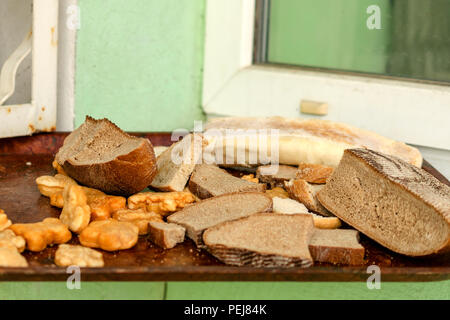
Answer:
[(277, 192), (76, 214), (10, 240), (53, 187), (10, 257), (73, 255), (306, 141), (163, 203), (4, 221), (41, 234), (138, 217), (109, 235)]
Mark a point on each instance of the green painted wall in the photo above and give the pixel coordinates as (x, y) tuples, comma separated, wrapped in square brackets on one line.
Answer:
[(139, 63)]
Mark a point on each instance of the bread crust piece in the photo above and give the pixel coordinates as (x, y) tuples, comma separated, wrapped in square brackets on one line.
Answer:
[(302, 191), (124, 175), (263, 258), (399, 178), (310, 141)]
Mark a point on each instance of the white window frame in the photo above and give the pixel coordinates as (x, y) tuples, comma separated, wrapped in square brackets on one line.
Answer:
[(40, 113), (413, 112)]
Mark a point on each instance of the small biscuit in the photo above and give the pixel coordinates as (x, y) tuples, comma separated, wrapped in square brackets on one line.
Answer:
[(76, 214), (163, 203), (4, 221), (313, 173), (109, 235), (103, 206), (138, 217), (9, 239), (250, 177), (74, 255), (10, 257), (277, 192), (41, 234)]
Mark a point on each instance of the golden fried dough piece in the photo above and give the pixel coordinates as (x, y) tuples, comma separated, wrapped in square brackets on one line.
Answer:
[(58, 168), (4, 221), (277, 192), (40, 234), (10, 257), (138, 217), (197, 199), (313, 173), (76, 213), (53, 188), (102, 206), (250, 177), (73, 255), (109, 235), (10, 240), (163, 203)]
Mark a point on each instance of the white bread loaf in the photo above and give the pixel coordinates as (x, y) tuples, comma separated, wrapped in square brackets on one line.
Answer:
[(301, 141)]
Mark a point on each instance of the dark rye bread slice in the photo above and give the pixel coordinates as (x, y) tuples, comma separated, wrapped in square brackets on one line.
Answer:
[(211, 181), (100, 155), (275, 176), (396, 204), (197, 217), (263, 240), (336, 246)]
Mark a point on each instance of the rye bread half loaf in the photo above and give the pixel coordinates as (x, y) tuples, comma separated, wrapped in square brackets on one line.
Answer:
[(337, 246), (298, 141), (100, 155), (211, 181), (402, 207), (197, 217), (262, 240)]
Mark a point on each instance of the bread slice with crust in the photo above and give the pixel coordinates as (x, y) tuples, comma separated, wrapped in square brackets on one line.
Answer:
[(199, 216), (175, 164), (337, 246), (276, 179), (211, 181), (100, 155), (400, 206), (262, 240)]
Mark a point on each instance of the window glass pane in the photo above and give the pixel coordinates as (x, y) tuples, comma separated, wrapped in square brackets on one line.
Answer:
[(406, 38)]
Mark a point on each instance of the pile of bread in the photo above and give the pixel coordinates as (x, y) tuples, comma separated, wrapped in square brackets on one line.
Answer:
[(331, 182)]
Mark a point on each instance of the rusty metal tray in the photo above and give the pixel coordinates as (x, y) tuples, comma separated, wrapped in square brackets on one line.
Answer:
[(23, 159)]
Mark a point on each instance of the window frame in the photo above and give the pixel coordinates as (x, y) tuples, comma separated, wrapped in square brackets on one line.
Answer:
[(40, 113), (416, 112)]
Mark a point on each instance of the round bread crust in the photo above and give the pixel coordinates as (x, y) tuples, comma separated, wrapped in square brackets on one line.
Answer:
[(124, 175)]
